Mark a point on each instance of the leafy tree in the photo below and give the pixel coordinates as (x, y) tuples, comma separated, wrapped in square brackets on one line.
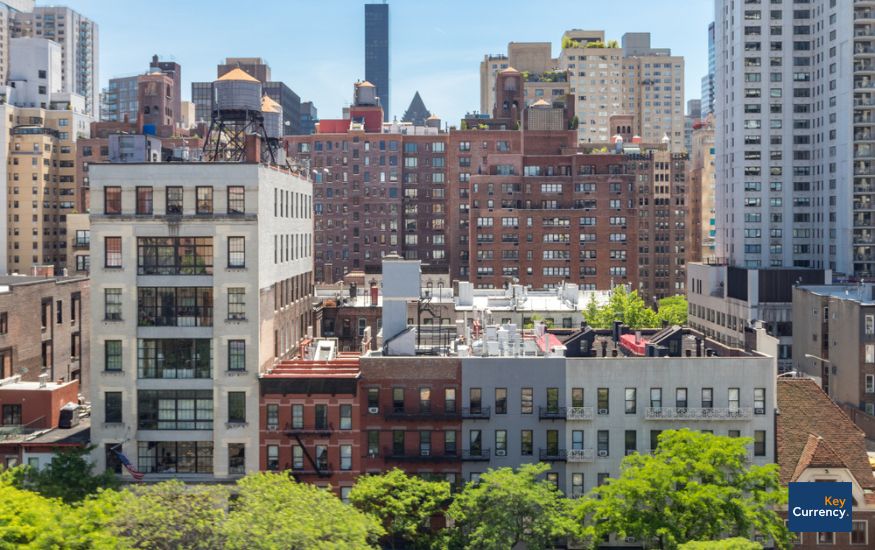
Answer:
[(673, 310), (508, 507), (695, 486), (167, 515), (30, 520), (273, 511), (624, 306), (69, 476), (735, 543), (613, 44), (405, 503)]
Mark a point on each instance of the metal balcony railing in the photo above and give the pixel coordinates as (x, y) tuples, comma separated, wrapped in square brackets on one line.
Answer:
[(700, 413)]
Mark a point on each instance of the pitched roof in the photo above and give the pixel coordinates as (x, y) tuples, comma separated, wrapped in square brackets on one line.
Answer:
[(268, 105), (814, 432), (416, 113), (238, 74)]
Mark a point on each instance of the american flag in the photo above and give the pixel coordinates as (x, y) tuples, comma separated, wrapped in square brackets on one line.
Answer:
[(127, 464)]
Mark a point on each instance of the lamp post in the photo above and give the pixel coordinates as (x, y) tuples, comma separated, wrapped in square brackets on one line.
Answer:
[(824, 372)]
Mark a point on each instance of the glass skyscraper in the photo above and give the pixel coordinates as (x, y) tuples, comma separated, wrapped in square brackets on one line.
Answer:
[(377, 51)]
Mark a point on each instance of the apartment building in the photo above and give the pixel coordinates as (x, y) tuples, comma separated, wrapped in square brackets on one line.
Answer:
[(702, 221), (8, 11), (792, 125), (202, 274), (119, 100), (834, 340), (530, 58), (78, 37)]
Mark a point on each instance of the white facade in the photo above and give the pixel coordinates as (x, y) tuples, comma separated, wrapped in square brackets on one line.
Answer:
[(235, 314), (786, 75), (34, 71)]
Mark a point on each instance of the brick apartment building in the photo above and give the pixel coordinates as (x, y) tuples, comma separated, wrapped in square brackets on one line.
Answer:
[(310, 418), (59, 348), (412, 416)]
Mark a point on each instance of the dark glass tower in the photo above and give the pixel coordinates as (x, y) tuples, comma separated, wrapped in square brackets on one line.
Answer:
[(377, 51)]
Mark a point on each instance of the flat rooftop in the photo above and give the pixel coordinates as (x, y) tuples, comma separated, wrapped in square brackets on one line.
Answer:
[(15, 383), (864, 293)]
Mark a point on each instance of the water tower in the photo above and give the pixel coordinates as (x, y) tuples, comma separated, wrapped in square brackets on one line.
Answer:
[(237, 118)]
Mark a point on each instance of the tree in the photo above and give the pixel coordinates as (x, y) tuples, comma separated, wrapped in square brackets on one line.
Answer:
[(30, 520), (405, 504), (273, 511), (695, 486), (69, 476), (673, 310), (735, 543), (508, 507), (627, 307), (167, 515)]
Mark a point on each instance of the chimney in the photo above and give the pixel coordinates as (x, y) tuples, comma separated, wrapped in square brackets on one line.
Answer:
[(253, 149), (698, 347)]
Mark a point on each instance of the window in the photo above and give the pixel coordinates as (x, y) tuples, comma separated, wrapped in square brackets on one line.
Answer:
[(373, 398), (112, 407), (237, 304), (603, 443), (112, 200), (870, 353), (236, 458), (733, 399), (4, 322), (112, 353), (373, 443), (273, 457), (175, 409), (870, 325), (603, 400), (174, 255), (236, 252), (144, 201), (321, 417), (577, 440), (450, 400), (236, 355), (759, 400), (236, 407), (631, 402), (449, 442), (656, 398), (859, 532), (552, 400), (475, 400), (273, 416), (204, 203), (398, 442), (12, 415), (346, 457), (500, 442), (577, 397), (630, 442), (826, 538), (297, 417), (112, 299), (759, 443), (346, 417), (526, 444), (707, 398), (681, 398), (297, 457), (526, 401), (173, 197), (236, 200), (654, 439), (112, 252), (398, 400), (174, 358), (576, 485), (500, 400), (870, 383)]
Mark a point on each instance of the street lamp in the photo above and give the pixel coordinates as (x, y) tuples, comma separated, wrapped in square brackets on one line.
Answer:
[(824, 372)]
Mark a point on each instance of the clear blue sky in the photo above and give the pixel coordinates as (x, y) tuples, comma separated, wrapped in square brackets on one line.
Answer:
[(316, 47)]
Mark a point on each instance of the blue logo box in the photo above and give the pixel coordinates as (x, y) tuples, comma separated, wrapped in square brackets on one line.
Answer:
[(816, 507)]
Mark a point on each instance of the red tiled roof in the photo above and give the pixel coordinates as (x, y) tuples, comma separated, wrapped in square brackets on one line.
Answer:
[(634, 344), (814, 432), (547, 341)]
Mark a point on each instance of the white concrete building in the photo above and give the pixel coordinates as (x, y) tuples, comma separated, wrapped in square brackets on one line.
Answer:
[(794, 133), (201, 279), (34, 71)]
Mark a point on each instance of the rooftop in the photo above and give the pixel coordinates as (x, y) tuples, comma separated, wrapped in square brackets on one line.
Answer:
[(50, 437), (864, 293), (15, 383), (812, 431)]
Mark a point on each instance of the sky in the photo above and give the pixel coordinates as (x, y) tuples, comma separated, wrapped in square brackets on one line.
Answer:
[(316, 47)]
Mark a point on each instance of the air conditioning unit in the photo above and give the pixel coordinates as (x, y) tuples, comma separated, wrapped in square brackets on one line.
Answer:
[(500, 452), (424, 452), (372, 454), (603, 411), (630, 539), (759, 411), (373, 410), (603, 453)]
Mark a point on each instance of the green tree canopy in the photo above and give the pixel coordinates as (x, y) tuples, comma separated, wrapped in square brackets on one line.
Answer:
[(694, 487), (735, 543), (68, 476), (272, 511), (673, 310), (508, 507), (405, 504), (624, 306), (164, 516)]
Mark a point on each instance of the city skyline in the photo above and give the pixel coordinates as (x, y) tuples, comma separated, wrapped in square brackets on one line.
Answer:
[(446, 77)]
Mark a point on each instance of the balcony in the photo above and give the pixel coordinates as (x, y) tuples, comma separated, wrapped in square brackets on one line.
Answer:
[(321, 429), (474, 455), (419, 455), (401, 413), (552, 455), (580, 413), (183, 316), (551, 413), (82, 244), (580, 455), (476, 413), (701, 413)]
